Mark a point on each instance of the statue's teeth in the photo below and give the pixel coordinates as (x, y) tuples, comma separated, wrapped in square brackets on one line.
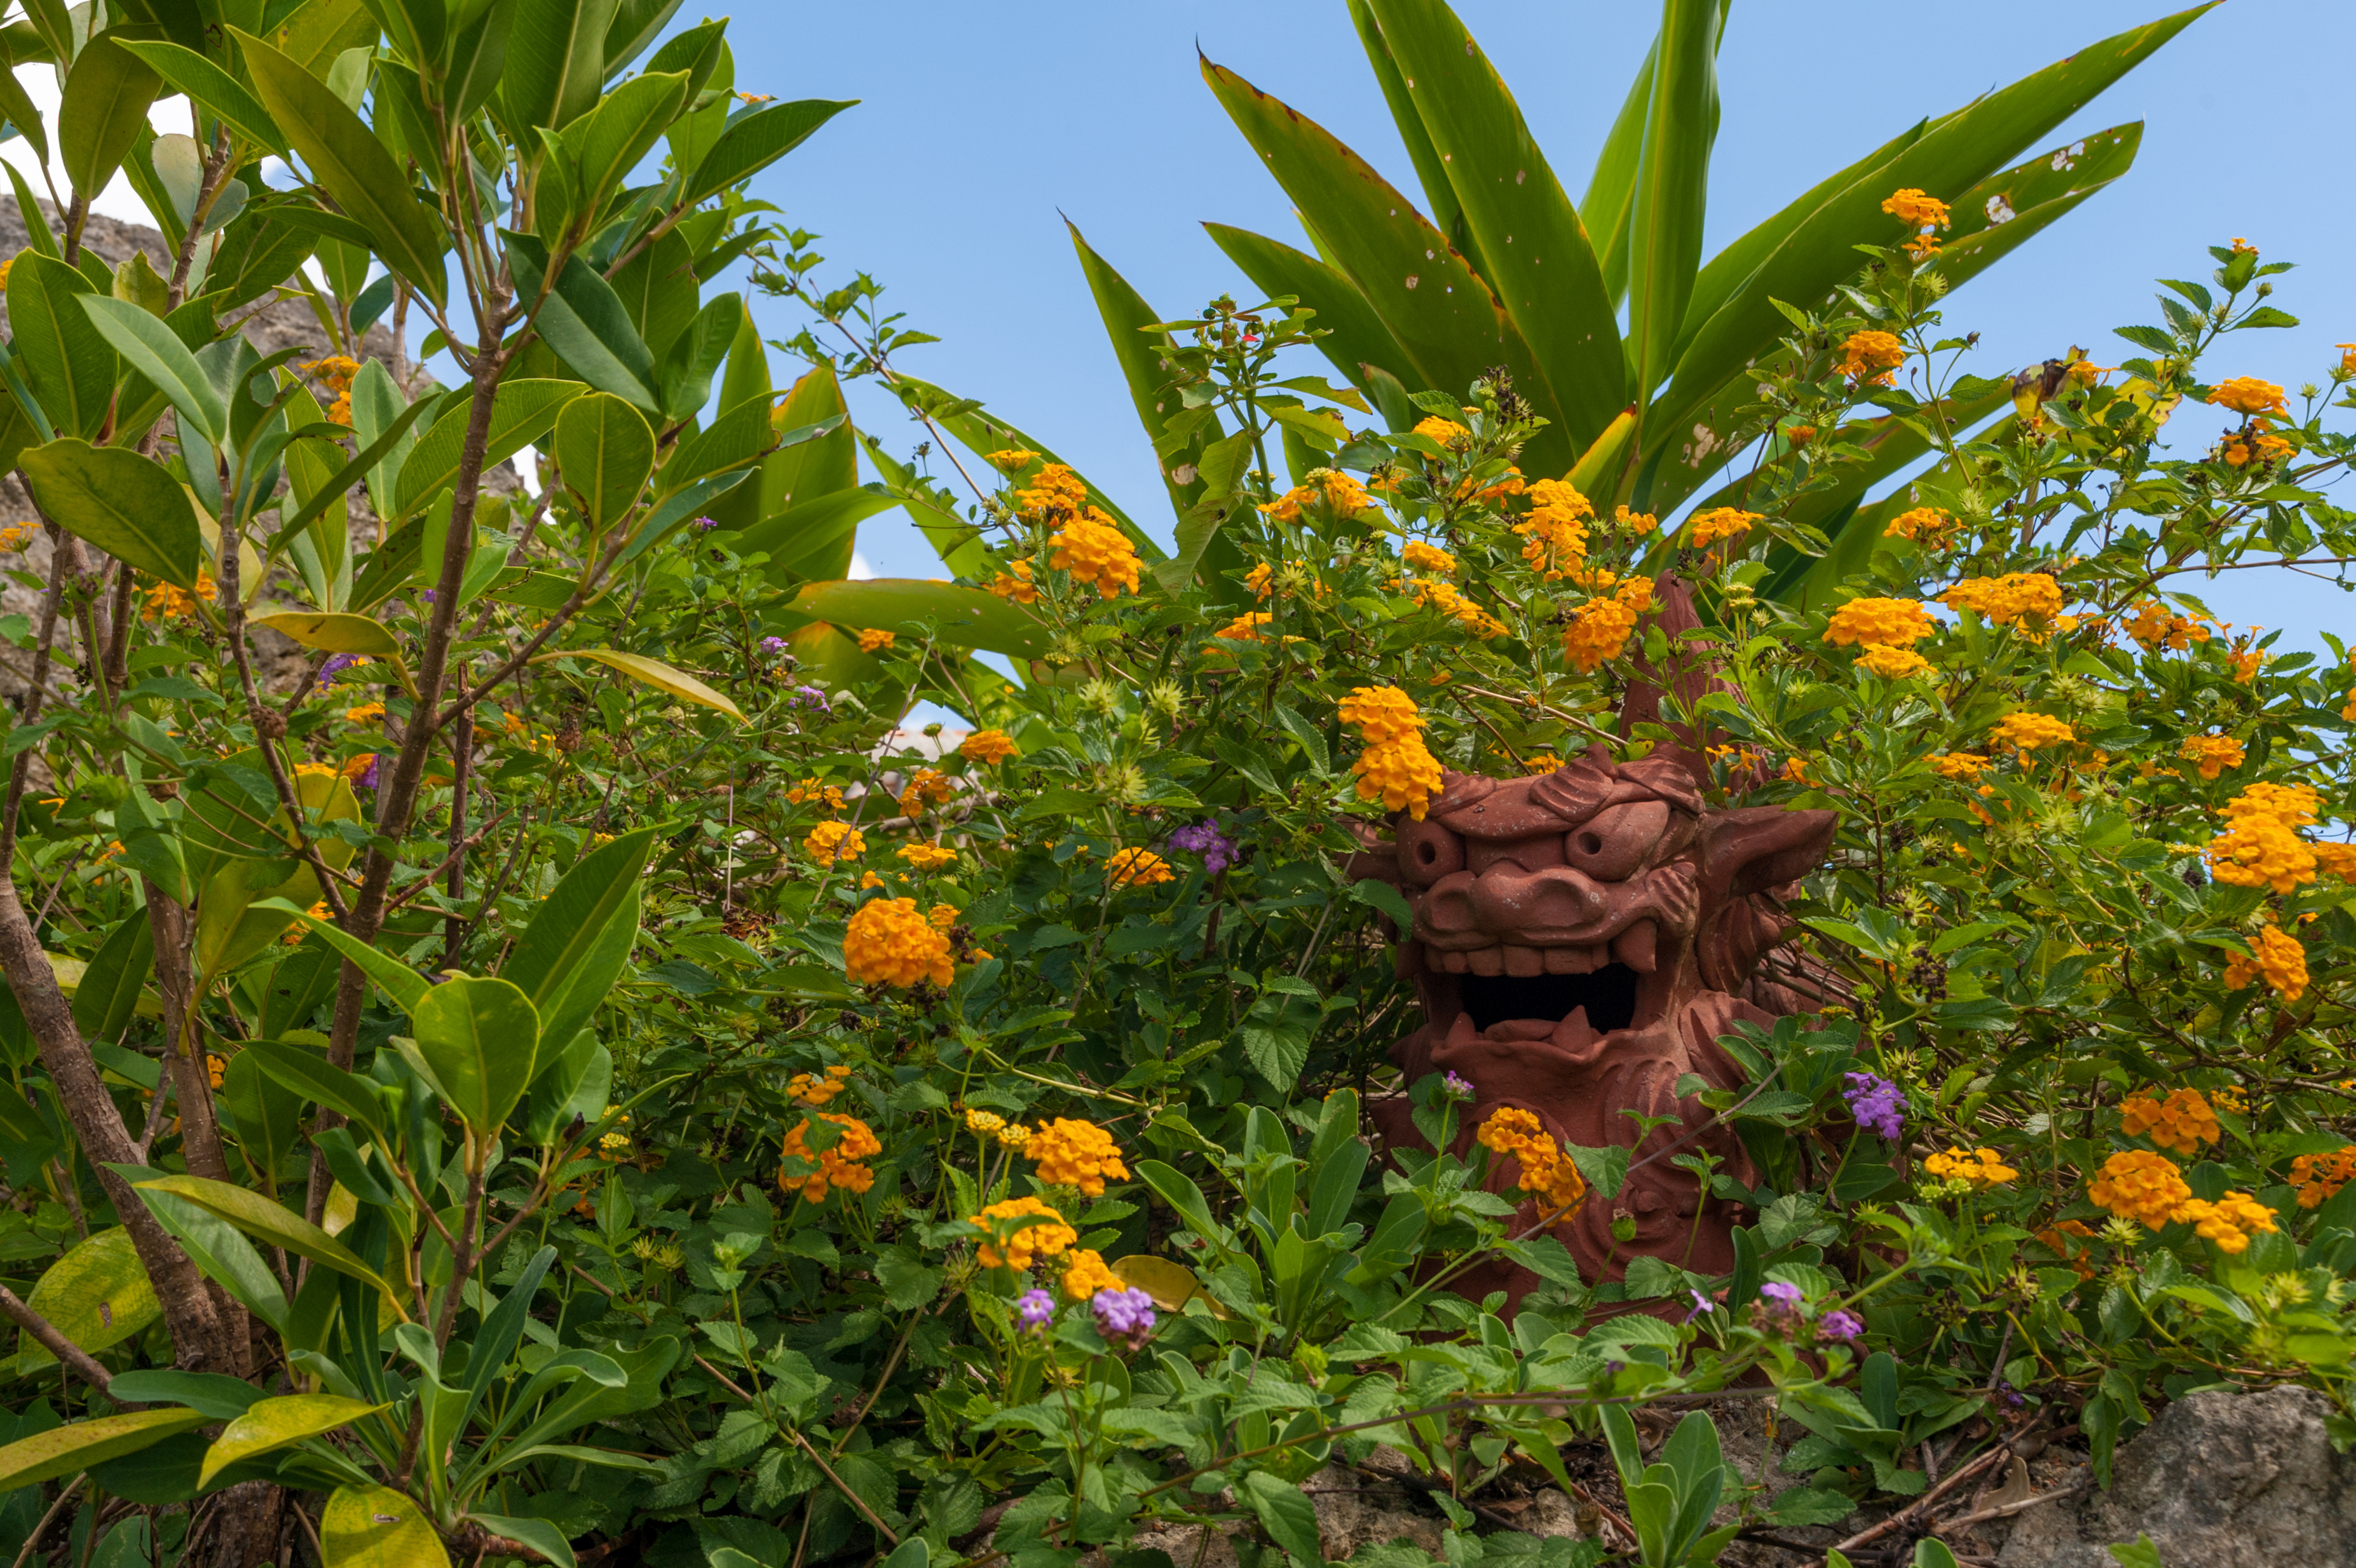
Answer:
[(1453, 963), (1637, 947), (1522, 962), (1575, 1032), (1486, 961), (1564, 960)]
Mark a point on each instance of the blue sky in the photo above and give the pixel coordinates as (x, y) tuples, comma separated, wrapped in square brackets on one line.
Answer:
[(976, 136)]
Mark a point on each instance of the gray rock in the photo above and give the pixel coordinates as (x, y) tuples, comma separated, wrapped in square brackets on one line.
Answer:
[(2222, 1479)]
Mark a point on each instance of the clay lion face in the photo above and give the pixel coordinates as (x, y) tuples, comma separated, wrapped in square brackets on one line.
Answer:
[(1580, 940)]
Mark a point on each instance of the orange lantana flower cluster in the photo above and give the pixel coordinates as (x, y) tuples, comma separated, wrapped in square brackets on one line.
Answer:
[(1396, 769), (1884, 631), (2183, 1120), (1545, 1168), (1602, 626), (1076, 1153), (1010, 1249), (2319, 1177), (890, 942), (838, 1166)]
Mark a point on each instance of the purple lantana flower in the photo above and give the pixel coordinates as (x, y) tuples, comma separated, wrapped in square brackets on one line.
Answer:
[(1878, 1106), (773, 646), (1217, 850), (812, 697), (1840, 1327), (1457, 1088), (704, 524), (367, 780), (1035, 1308), (1779, 1307), (1701, 1303), (335, 665), (1123, 1314)]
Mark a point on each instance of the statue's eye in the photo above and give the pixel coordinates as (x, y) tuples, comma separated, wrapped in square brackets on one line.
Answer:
[(1428, 852), (1613, 845)]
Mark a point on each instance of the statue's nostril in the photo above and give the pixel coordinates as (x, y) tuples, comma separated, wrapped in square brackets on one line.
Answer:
[(1590, 844), (1426, 853)]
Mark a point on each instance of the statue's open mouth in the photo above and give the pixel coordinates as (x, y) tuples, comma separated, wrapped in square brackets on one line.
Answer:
[(1607, 995)]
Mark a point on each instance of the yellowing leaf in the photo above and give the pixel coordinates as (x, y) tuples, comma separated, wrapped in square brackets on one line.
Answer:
[(96, 1294), (269, 1222), (333, 632), (376, 1527), (655, 673), (276, 1422), (66, 1450), (1170, 1285)]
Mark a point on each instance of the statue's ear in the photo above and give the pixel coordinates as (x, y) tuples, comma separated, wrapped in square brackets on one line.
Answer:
[(1745, 853)]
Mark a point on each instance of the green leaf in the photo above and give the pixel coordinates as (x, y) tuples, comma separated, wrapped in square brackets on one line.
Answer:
[(805, 540), (376, 1527), (522, 413), (1286, 1513), (156, 352), (114, 499), (557, 60), (752, 142), (1441, 313), (1431, 172), (404, 985), (16, 108), (584, 321), (1610, 197), (268, 1222), (101, 111), (609, 141), (1144, 366), (273, 1423), (346, 158), (546, 1536), (476, 1039), (187, 71), (958, 617), (73, 370), (1672, 186), (221, 1397), (109, 992), (655, 673), (580, 937), (605, 451), (315, 1079), (67, 1450), (983, 434), (96, 1294), (1533, 249)]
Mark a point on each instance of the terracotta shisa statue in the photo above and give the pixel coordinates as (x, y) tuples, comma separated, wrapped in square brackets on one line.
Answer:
[(1581, 939)]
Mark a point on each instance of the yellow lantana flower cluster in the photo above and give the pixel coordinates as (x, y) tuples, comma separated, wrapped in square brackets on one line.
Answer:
[(2029, 732), (991, 1125), (1427, 557), (2260, 846), (838, 1166), (2026, 599), (1085, 1274), (1964, 765), (2153, 625), (2230, 1221), (1883, 631), (1015, 585), (1705, 529), (1871, 358), (1446, 432), (816, 1088), (2278, 956), (1008, 1248), (1054, 490), (1554, 532), (890, 942), (1092, 550), (2183, 1120), (829, 797), (986, 746), (830, 842), (1922, 524), (874, 639), (1439, 594), (2211, 753), (2141, 1185), (926, 857), (1545, 1170), (1076, 1153), (2249, 395), (1342, 496), (1135, 867), (1977, 1169), (926, 786), (1919, 214), (1395, 768), (1601, 627), (1245, 628), (2319, 1177)]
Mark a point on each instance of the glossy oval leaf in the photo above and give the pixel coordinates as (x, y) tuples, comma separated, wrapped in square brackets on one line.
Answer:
[(404, 985), (155, 351), (607, 143), (315, 1079), (376, 1527), (269, 1222), (67, 1450), (605, 451), (476, 1039), (585, 321), (109, 992), (958, 617), (333, 631), (189, 72), (96, 1294), (571, 951), (356, 168), (273, 1423), (806, 538), (657, 674), (754, 141), (73, 370), (114, 499), (522, 413), (101, 111)]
